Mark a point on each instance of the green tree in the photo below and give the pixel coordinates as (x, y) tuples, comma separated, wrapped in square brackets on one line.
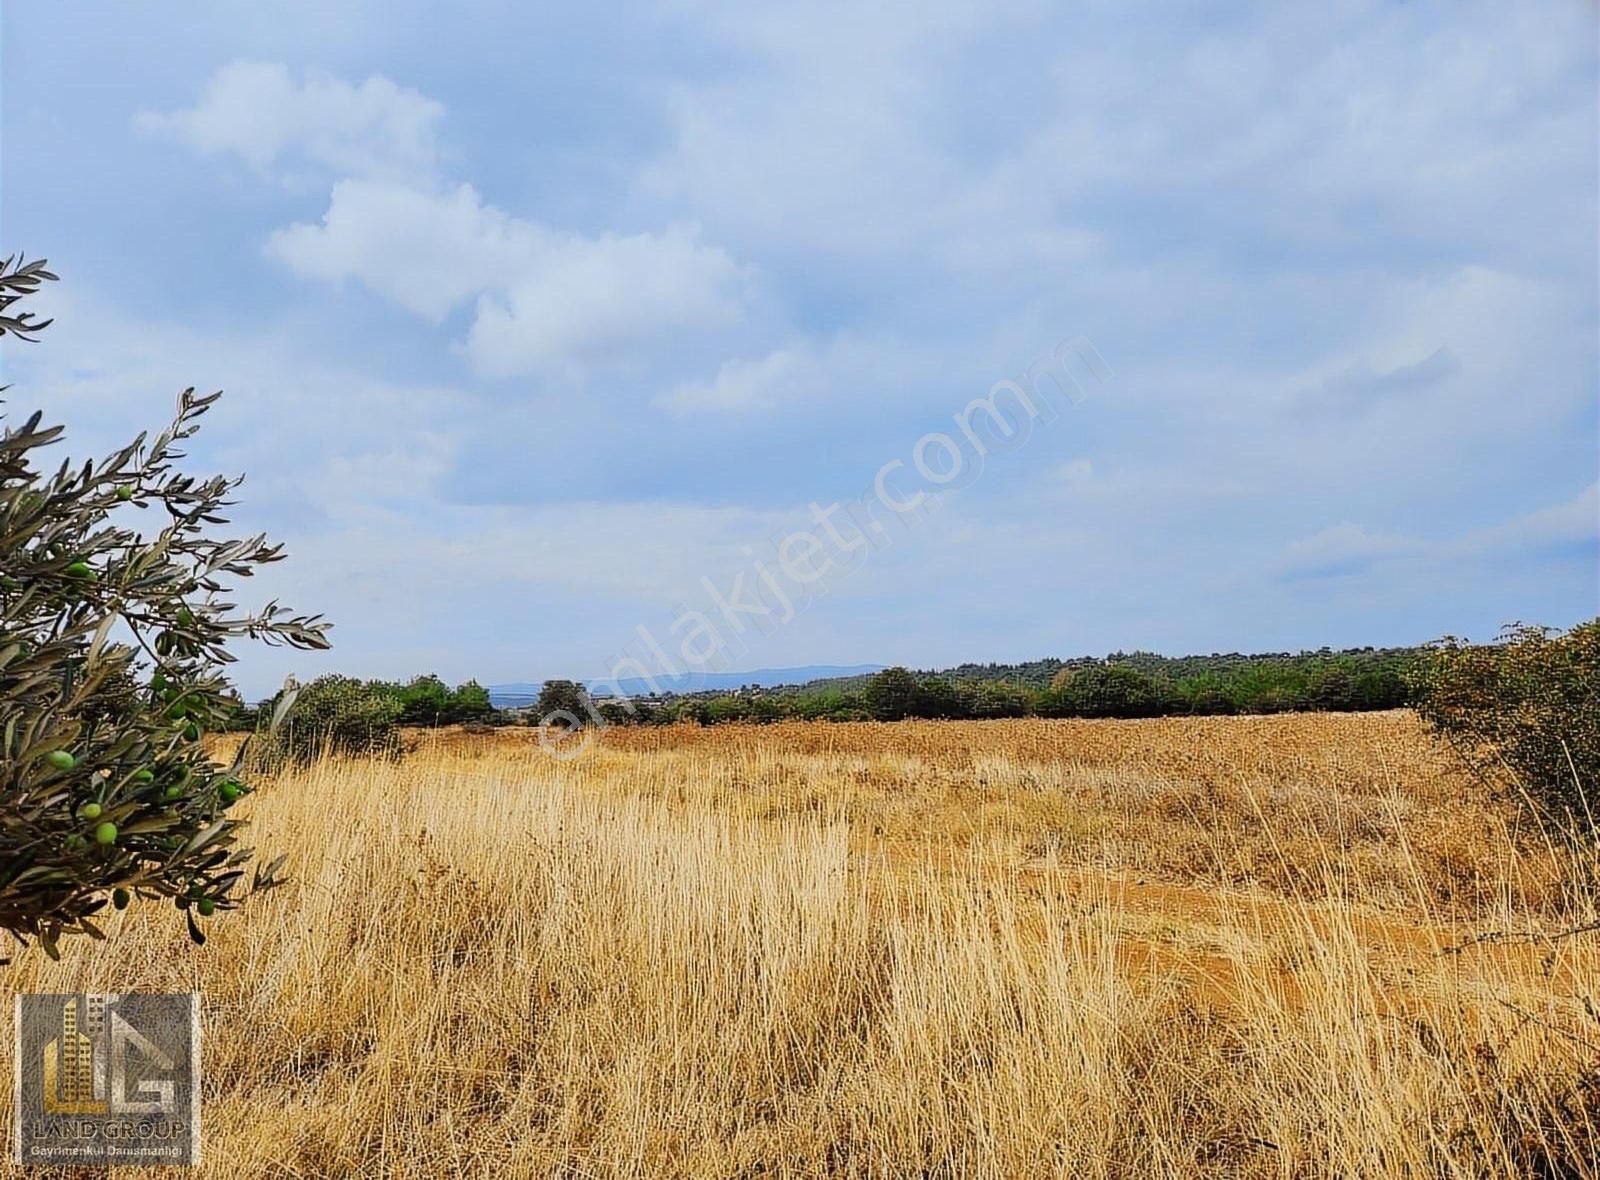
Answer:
[(470, 702), (562, 703), (1206, 693), (722, 709), (990, 700), (891, 695), (831, 704), (1106, 690), (425, 700), (105, 791), (1332, 689), (767, 708), (936, 697)]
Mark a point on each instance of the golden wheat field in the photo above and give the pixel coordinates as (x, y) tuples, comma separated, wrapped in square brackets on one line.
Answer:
[(1212, 947)]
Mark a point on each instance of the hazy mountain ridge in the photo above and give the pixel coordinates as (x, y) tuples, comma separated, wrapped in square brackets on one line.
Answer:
[(519, 693)]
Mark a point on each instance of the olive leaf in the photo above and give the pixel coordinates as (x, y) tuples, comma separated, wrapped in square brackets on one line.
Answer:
[(120, 546)]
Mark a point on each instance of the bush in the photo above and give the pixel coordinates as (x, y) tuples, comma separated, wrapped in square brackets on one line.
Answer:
[(720, 710), (1205, 694), (1106, 690), (831, 704), (427, 700), (337, 715), (562, 702), (1524, 712), (891, 695), (989, 700), (105, 792), (936, 697)]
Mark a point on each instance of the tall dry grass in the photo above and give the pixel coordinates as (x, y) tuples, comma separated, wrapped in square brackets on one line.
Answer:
[(864, 951)]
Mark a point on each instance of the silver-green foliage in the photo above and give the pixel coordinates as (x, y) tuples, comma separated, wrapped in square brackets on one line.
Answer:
[(114, 626)]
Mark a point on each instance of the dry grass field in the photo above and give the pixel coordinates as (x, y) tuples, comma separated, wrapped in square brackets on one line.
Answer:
[(1215, 947)]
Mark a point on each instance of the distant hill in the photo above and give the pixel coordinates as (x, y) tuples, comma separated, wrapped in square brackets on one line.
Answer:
[(1031, 674), (1037, 674), (511, 696)]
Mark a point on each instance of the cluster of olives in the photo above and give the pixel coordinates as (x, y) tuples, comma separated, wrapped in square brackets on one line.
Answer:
[(169, 784), (180, 705)]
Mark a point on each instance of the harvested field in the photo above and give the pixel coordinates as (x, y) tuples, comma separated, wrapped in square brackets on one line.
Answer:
[(1216, 947)]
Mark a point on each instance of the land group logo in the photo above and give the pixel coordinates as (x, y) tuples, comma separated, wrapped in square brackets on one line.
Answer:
[(108, 1078)]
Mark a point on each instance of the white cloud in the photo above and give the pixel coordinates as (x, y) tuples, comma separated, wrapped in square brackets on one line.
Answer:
[(1348, 548), (260, 112), (586, 302), (546, 302), (741, 385), (1570, 522), (426, 251), (1343, 549)]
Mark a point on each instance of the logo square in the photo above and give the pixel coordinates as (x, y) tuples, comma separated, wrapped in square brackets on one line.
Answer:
[(108, 1078)]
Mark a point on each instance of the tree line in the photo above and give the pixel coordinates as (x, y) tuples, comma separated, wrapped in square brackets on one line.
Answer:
[(1127, 686)]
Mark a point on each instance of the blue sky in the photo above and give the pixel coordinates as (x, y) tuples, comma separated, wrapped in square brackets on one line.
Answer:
[(534, 321)]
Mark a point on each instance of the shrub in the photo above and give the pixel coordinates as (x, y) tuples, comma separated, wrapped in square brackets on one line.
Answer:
[(470, 703), (719, 710), (767, 708), (103, 783), (891, 695), (427, 700), (1331, 689), (424, 701), (992, 699), (618, 712), (1106, 690), (832, 704), (562, 702), (1205, 694), (937, 697), (337, 715), (1524, 712), (1381, 688)]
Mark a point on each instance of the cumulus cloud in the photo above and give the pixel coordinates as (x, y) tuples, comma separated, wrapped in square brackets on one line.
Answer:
[(584, 302), (741, 385), (426, 251), (262, 113), (545, 301)]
